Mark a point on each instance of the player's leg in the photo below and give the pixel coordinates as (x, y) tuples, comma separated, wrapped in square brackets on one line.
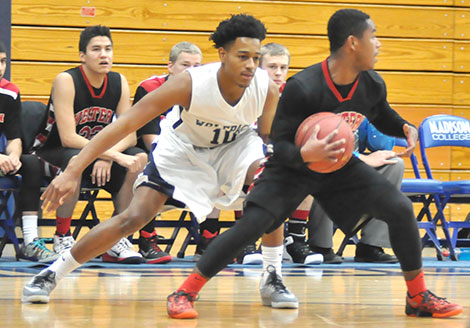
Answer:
[(406, 244), (97, 241), (374, 236), (120, 186), (364, 191), (208, 230), (34, 248), (266, 209), (219, 254), (250, 253), (63, 239), (320, 234), (272, 290), (59, 157), (295, 243)]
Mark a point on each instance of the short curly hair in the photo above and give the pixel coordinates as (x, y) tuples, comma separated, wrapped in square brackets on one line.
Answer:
[(241, 25)]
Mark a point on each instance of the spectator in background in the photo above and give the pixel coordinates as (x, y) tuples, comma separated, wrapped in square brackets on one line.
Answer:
[(12, 162), (83, 101)]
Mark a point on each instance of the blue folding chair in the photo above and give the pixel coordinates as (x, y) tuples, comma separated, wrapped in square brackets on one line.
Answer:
[(447, 131), (425, 192)]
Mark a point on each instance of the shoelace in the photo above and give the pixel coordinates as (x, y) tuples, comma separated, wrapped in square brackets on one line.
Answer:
[(41, 246), (66, 242), (430, 296), (190, 296), (122, 245), (275, 281), (41, 280), (153, 244), (278, 283)]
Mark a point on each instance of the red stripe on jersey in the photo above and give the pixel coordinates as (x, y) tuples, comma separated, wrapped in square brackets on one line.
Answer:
[(5, 84), (90, 87), (153, 82), (331, 85)]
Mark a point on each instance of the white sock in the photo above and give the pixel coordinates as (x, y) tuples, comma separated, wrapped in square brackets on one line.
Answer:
[(272, 256), (63, 265), (30, 228)]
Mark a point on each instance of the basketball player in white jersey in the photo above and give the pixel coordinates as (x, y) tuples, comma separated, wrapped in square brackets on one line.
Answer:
[(206, 143)]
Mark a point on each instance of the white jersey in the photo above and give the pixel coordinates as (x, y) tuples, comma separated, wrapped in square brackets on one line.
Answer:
[(205, 151), (210, 121)]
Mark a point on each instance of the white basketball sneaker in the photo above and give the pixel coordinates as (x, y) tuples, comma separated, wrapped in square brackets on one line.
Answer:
[(123, 252), (274, 293), (39, 288), (63, 242)]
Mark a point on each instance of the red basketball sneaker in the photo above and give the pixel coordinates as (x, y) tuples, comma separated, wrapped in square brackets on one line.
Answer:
[(426, 304), (180, 305)]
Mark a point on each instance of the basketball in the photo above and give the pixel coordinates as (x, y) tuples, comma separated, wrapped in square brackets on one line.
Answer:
[(327, 122)]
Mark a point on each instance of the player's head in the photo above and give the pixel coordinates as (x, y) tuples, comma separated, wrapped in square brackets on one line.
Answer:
[(184, 55), (239, 41), (3, 59), (275, 59), (352, 30), (96, 48), (90, 32)]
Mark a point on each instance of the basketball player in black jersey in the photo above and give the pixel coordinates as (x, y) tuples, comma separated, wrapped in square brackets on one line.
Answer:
[(83, 101), (346, 84)]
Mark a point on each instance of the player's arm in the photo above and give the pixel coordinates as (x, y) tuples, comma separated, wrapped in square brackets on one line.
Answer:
[(294, 106), (175, 91), (389, 122), (63, 94), (265, 121), (13, 150), (10, 161)]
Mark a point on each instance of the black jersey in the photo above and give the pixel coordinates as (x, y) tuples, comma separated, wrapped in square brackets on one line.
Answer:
[(10, 109), (93, 108), (312, 90), (145, 87)]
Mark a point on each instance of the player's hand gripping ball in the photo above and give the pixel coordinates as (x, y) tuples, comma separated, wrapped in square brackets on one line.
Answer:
[(327, 122)]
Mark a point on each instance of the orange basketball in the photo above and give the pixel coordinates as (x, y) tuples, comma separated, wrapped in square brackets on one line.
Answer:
[(328, 122)]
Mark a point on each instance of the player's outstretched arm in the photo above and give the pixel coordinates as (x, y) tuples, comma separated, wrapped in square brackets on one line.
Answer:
[(177, 91), (60, 189)]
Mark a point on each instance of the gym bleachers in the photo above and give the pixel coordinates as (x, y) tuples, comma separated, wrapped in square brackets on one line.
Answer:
[(424, 57)]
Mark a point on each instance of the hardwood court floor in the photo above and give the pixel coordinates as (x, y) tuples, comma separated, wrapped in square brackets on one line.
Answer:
[(338, 297)]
